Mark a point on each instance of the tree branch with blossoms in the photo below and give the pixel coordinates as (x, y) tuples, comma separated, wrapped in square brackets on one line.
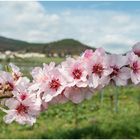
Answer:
[(73, 80)]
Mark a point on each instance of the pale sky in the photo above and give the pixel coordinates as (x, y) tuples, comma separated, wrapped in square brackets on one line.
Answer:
[(114, 26)]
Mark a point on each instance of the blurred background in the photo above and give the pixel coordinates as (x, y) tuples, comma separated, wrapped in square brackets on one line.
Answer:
[(32, 33)]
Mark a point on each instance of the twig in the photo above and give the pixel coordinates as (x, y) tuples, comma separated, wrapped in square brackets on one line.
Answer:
[(5, 94)]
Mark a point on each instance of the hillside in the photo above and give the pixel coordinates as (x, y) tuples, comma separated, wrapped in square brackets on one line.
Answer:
[(61, 47), (17, 45), (66, 46)]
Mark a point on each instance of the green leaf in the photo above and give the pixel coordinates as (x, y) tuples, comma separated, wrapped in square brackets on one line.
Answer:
[(8, 69)]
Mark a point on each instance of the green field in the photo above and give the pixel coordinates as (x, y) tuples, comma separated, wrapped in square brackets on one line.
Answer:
[(94, 118), (27, 64)]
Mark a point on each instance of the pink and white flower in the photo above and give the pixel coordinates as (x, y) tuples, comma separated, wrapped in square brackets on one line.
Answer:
[(136, 49), (6, 81), (24, 106), (75, 73), (21, 87), (48, 82), (98, 67), (15, 71), (41, 75), (134, 63), (23, 112), (120, 73), (54, 86), (87, 54), (77, 95), (60, 99)]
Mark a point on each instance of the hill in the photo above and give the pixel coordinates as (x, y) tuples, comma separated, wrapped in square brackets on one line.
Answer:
[(17, 45), (61, 47), (65, 46)]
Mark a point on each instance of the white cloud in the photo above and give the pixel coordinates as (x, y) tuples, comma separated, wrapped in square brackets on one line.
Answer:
[(30, 21)]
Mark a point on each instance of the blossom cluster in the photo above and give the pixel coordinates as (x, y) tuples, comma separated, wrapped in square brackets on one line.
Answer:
[(75, 80)]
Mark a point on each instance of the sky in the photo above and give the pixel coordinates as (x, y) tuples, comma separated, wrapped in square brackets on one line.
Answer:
[(114, 26)]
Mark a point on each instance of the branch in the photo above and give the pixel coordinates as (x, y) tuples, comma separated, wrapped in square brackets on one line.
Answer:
[(5, 95)]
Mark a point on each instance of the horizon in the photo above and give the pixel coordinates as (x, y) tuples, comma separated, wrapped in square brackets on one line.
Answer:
[(43, 42), (111, 25)]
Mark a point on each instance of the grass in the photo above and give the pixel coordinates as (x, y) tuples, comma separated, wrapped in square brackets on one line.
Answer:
[(96, 118)]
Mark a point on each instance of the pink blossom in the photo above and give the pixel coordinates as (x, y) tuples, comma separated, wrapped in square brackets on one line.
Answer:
[(88, 54), (77, 77), (41, 75), (48, 81), (136, 49), (21, 111), (120, 73), (49, 67), (75, 72), (134, 63), (98, 67), (60, 99), (38, 75), (6, 81), (22, 84), (54, 86), (24, 106), (15, 71), (22, 90), (77, 95)]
